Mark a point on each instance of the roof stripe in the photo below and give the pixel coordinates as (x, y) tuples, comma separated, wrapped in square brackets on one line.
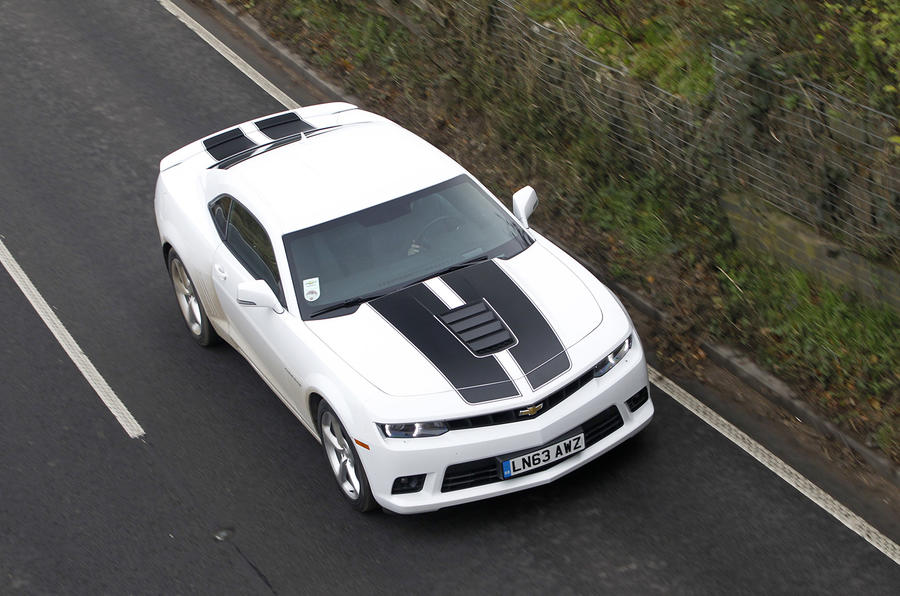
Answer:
[(227, 144), (283, 125)]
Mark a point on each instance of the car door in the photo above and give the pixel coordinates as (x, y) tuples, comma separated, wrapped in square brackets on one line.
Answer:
[(219, 209), (262, 335)]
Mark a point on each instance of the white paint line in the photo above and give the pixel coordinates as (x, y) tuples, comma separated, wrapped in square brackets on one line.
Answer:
[(777, 465), (730, 431), (65, 339), (229, 55)]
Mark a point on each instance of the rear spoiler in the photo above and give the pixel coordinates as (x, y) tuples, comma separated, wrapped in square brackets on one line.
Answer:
[(262, 131)]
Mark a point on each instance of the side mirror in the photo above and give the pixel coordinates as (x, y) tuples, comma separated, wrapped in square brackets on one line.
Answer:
[(524, 202), (258, 293)]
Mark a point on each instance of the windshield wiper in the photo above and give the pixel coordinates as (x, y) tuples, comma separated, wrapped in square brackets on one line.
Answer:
[(460, 265), (350, 302), (450, 268)]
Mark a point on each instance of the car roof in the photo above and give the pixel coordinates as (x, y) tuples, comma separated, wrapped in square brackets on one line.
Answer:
[(339, 170)]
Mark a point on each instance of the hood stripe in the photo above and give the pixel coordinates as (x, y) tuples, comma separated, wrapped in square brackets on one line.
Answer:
[(539, 353), (412, 312)]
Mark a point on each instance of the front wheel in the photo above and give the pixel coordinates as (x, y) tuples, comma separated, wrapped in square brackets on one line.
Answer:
[(344, 461), (189, 302)]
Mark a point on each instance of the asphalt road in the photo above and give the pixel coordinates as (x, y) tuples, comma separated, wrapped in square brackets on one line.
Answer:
[(227, 493)]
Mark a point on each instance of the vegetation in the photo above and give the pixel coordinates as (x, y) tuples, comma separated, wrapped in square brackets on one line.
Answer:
[(643, 227), (845, 350), (852, 47)]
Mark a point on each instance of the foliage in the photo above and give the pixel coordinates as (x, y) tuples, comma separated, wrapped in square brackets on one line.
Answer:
[(804, 329), (851, 46), (349, 41)]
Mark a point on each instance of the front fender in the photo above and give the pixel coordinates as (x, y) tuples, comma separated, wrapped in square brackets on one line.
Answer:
[(346, 400)]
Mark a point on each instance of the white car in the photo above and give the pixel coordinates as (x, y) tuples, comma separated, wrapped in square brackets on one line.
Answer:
[(440, 349)]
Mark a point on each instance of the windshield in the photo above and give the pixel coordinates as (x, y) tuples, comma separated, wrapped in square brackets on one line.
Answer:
[(397, 243)]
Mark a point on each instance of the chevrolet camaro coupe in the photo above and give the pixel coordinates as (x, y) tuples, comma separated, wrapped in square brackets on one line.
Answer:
[(440, 349)]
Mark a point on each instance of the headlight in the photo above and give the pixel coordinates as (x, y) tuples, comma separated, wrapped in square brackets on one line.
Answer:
[(410, 430), (614, 357)]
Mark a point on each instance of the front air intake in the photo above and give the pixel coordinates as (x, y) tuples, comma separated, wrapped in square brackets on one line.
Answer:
[(479, 328)]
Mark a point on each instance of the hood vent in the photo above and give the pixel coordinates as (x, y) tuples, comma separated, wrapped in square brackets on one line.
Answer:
[(479, 328)]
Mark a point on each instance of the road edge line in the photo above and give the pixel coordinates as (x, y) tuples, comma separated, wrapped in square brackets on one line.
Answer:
[(229, 55), (774, 463), (71, 347)]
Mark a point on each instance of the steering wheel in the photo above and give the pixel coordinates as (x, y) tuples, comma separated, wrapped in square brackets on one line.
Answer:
[(421, 241)]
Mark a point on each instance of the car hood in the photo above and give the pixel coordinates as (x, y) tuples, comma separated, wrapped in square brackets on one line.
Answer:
[(482, 331)]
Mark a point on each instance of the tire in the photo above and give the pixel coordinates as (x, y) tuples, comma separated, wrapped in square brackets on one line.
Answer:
[(192, 311), (344, 462)]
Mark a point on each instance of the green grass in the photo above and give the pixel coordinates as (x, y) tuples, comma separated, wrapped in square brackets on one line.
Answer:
[(647, 45), (634, 214), (809, 330), (851, 46), (345, 41), (824, 337)]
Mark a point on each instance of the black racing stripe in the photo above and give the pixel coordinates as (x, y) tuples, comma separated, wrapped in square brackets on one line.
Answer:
[(227, 144), (549, 370), (539, 352), (283, 125), (412, 312)]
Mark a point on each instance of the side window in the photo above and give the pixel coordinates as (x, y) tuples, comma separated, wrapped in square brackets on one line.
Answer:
[(249, 242), (219, 211)]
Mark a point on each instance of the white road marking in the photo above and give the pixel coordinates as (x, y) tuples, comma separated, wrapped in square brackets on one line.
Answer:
[(730, 431), (777, 465), (68, 343), (229, 55)]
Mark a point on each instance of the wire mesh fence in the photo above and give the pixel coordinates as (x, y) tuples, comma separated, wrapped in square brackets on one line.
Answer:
[(811, 153), (821, 158)]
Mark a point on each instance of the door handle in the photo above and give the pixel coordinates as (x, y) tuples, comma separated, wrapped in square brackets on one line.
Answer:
[(220, 272)]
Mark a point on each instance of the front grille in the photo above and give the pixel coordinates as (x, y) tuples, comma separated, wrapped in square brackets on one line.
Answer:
[(487, 470), (602, 425), (638, 399), (554, 399), (471, 473), (479, 328), (513, 415)]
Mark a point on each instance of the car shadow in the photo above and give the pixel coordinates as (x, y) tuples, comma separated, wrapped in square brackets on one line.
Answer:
[(584, 484)]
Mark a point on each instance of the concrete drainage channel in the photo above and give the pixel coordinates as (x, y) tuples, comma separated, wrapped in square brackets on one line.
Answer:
[(734, 361)]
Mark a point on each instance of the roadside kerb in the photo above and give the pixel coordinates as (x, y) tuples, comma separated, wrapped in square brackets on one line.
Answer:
[(251, 27)]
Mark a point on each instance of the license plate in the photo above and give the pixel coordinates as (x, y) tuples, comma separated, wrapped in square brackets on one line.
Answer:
[(543, 456)]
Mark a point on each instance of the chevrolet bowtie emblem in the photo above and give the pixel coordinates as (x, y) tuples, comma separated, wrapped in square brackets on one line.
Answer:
[(532, 410)]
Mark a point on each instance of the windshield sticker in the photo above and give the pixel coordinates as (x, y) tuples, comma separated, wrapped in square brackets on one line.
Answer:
[(311, 289)]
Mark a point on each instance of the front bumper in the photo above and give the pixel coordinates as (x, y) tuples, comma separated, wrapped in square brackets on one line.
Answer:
[(393, 458)]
